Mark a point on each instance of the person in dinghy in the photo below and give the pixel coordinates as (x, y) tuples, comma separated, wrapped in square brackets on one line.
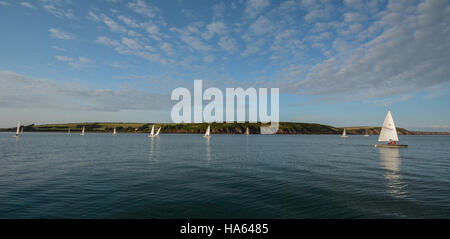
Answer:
[(392, 142)]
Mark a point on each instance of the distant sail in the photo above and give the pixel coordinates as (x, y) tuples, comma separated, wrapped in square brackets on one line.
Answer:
[(367, 133), (208, 131), (344, 134), (152, 132), (18, 129), (388, 131), (82, 132), (114, 133), (68, 132), (157, 132), (21, 130), (247, 132)]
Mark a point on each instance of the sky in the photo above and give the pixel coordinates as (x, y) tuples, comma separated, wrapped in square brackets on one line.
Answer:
[(341, 63)]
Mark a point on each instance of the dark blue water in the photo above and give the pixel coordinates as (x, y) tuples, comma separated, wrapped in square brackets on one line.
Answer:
[(229, 176)]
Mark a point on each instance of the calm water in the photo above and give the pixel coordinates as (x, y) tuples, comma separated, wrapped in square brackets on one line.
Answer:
[(229, 176)]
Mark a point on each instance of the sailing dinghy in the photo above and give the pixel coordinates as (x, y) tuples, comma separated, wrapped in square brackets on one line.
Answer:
[(367, 133), (82, 132), (389, 134), (344, 134), (208, 131), (17, 130), (152, 133)]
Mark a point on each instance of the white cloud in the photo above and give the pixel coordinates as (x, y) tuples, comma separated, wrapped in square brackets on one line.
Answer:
[(129, 46), (79, 63), (5, 4), (128, 21), (56, 33), (84, 60), (254, 7), (219, 10), (218, 28), (168, 49), (445, 126), (195, 43), (26, 4), (318, 10), (410, 53), (106, 41), (131, 43), (228, 44), (209, 59), (57, 9), (113, 25), (146, 9), (58, 48), (109, 22), (262, 25), (64, 58), (19, 91), (153, 31)]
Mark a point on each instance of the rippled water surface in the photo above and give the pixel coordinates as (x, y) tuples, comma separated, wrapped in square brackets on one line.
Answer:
[(51, 175)]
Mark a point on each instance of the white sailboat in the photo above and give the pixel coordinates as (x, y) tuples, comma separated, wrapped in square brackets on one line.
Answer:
[(367, 133), (208, 131), (17, 130), (247, 132), (389, 134), (152, 133), (114, 133), (344, 134), (82, 132), (157, 132), (21, 130), (68, 130)]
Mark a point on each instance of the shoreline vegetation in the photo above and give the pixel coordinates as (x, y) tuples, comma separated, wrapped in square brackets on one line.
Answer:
[(216, 128)]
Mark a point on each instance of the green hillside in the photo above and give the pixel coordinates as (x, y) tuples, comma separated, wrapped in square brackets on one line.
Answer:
[(199, 128)]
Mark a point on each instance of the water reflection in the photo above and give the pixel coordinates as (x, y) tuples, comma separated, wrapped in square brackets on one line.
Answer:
[(208, 149), (390, 161), (154, 149)]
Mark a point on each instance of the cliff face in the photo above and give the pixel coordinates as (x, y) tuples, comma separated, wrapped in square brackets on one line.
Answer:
[(216, 128)]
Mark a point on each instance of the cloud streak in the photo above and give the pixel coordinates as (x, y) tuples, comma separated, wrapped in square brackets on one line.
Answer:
[(19, 91), (56, 33)]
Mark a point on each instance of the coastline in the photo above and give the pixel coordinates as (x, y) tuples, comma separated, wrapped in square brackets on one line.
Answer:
[(285, 128)]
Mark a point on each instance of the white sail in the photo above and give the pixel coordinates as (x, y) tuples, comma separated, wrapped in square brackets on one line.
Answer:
[(208, 130), (18, 128), (344, 134), (157, 132), (21, 130), (367, 133), (114, 133), (388, 131), (82, 131), (152, 133), (247, 132), (68, 132)]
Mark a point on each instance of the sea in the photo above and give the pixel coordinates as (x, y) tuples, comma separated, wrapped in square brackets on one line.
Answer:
[(56, 175)]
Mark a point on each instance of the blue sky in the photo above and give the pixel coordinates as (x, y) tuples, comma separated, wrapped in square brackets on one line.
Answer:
[(340, 63)]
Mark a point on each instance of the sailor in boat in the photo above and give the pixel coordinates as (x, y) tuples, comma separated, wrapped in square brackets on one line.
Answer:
[(392, 142)]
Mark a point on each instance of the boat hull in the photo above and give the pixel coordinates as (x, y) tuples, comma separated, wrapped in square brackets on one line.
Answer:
[(391, 145)]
